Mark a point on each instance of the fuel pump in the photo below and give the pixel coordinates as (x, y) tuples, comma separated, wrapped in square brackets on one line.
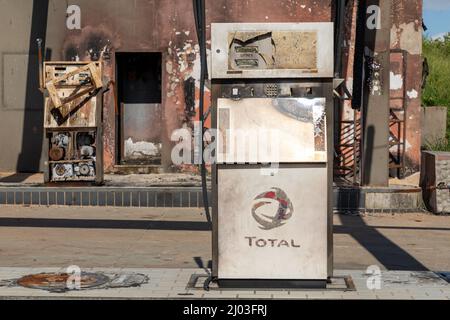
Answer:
[(272, 108)]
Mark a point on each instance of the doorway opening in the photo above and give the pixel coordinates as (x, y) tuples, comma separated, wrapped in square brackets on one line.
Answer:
[(139, 121)]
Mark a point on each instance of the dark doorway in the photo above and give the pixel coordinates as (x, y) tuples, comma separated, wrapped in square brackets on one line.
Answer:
[(139, 95)]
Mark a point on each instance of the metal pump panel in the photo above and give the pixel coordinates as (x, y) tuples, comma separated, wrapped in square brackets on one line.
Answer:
[(272, 107), (272, 50)]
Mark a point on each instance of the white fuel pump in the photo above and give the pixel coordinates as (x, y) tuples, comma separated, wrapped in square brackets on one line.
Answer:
[(272, 100)]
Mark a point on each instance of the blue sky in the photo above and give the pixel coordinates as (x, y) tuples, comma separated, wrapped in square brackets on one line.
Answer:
[(436, 15)]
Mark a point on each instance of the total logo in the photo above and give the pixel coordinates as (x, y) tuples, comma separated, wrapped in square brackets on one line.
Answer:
[(272, 209), (281, 214)]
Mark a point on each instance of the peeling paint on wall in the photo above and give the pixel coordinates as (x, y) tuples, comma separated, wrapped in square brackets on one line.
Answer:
[(406, 34), (396, 81), (167, 26), (196, 69), (408, 37), (413, 94)]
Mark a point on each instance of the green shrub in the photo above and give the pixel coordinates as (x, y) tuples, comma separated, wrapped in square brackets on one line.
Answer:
[(437, 145), (437, 89)]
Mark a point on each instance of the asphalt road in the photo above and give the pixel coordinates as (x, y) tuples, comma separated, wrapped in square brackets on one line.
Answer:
[(180, 238)]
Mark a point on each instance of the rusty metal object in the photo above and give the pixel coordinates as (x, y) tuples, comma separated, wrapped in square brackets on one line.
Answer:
[(73, 109), (41, 63), (56, 153), (57, 282)]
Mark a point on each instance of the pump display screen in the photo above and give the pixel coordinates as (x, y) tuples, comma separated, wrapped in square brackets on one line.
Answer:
[(268, 130), (273, 50)]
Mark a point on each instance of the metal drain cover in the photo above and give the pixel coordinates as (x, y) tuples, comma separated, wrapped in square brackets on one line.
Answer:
[(61, 282), (57, 282)]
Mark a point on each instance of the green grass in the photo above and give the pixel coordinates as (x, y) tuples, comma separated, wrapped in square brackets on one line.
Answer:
[(438, 145), (437, 90)]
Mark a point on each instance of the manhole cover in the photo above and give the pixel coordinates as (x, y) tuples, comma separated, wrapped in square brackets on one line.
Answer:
[(58, 282)]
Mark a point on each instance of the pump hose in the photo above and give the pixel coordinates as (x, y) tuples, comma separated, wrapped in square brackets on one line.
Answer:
[(200, 24)]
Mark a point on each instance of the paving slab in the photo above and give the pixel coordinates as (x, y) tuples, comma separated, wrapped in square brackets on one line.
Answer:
[(173, 288), (170, 245)]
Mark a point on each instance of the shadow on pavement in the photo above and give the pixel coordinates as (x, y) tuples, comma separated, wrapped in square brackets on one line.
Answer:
[(201, 264), (392, 256), (347, 229), (104, 224), (16, 177)]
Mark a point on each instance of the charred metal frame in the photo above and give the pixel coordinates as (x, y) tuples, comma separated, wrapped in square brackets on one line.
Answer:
[(397, 126), (347, 132), (71, 161)]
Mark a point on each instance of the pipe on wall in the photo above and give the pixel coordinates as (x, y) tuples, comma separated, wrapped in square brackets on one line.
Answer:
[(200, 23)]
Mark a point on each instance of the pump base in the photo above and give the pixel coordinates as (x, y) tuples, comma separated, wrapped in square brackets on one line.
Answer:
[(271, 284)]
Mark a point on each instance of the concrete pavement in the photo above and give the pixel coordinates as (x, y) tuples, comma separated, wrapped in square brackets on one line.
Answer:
[(179, 238), (169, 245), (172, 283)]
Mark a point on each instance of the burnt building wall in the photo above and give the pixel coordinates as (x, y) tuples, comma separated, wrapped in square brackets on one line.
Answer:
[(405, 78), (406, 72), (165, 26)]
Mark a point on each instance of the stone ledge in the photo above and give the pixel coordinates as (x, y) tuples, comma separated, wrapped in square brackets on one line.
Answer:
[(345, 199)]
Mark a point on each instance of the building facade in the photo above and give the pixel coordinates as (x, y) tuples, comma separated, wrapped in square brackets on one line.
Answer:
[(151, 57)]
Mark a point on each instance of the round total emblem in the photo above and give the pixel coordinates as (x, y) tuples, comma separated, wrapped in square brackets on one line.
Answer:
[(279, 216)]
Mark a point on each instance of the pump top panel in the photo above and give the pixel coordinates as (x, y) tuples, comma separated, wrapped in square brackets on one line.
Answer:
[(272, 50)]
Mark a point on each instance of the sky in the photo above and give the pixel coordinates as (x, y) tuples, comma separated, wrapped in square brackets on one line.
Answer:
[(436, 16)]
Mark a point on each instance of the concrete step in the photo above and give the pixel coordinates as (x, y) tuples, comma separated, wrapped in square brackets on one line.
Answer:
[(396, 199), (102, 196), (136, 169), (393, 199)]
